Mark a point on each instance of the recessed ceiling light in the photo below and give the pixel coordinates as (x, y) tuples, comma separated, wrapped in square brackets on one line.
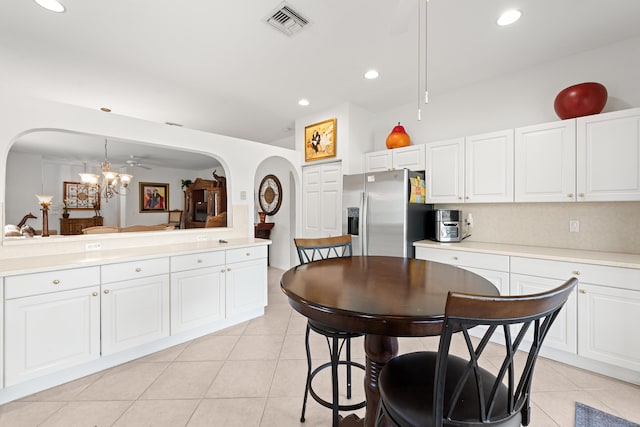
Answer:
[(509, 17), (371, 74), (303, 102), (52, 5), (105, 109)]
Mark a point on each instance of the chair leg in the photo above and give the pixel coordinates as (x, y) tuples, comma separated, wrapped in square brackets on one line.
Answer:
[(308, 382), (348, 367), (335, 359)]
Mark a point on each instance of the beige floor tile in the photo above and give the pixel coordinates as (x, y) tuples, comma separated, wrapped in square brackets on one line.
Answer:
[(289, 379), (210, 347), (233, 330), (158, 413), (82, 414), (241, 412), (624, 401), (273, 325), (297, 324), (27, 414), (125, 382), (64, 392), (539, 418), (250, 378), (168, 355), (561, 405), (184, 380), (265, 347), (285, 412)]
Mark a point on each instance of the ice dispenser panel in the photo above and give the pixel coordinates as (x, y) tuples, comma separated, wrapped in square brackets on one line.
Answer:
[(353, 220)]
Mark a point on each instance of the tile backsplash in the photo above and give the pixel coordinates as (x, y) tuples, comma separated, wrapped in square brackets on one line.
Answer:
[(605, 226)]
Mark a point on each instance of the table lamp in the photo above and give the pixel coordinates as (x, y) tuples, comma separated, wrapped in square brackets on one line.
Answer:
[(45, 201)]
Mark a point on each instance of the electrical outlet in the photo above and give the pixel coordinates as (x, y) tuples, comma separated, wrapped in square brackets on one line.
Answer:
[(574, 226), (201, 238), (93, 246)]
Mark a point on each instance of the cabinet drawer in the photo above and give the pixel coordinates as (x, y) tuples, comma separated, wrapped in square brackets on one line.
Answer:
[(246, 254), (50, 281), (134, 269), (201, 260), (464, 259), (619, 277)]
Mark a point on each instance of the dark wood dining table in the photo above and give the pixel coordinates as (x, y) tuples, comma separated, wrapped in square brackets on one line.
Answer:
[(382, 297)]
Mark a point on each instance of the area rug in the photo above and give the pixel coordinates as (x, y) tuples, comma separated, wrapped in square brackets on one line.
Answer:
[(586, 416)]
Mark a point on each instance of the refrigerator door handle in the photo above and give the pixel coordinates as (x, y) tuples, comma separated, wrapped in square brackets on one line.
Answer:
[(364, 232)]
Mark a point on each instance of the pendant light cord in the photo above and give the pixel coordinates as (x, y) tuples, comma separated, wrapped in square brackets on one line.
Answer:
[(420, 61)]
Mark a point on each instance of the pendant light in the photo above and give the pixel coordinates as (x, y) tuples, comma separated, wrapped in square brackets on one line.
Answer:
[(422, 74), (112, 182)]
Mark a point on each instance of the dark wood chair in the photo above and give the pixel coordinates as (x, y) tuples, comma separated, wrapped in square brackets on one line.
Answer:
[(175, 218), (310, 250), (435, 389)]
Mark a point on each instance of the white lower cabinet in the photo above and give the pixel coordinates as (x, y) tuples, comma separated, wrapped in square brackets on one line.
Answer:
[(563, 334), (135, 311), (246, 281), (52, 322), (197, 290), (608, 320)]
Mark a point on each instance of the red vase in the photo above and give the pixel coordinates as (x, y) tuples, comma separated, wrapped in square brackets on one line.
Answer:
[(580, 100)]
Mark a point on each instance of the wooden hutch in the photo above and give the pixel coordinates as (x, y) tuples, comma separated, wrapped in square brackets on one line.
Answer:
[(204, 198), (72, 226)]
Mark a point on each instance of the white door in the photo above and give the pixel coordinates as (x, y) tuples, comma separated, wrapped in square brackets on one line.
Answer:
[(197, 298), (445, 171), (489, 167), (378, 161), (134, 312), (608, 160), (246, 286), (50, 332), (563, 334), (410, 157), (545, 162), (608, 320), (322, 200)]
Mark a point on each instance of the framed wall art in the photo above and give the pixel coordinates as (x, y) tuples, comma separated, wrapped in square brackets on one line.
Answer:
[(81, 196), (154, 197), (320, 140)]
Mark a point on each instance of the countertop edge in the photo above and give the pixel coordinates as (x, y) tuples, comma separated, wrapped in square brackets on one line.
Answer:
[(613, 259), (38, 264)]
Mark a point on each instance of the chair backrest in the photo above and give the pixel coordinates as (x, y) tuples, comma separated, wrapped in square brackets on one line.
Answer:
[(524, 322), (315, 249), (175, 217)]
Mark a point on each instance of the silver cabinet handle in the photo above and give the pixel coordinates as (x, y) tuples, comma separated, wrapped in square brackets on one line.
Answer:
[(580, 194), (222, 271), (455, 258), (138, 270), (95, 294), (56, 282), (576, 272), (582, 291), (106, 291), (228, 269), (199, 261), (570, 195)]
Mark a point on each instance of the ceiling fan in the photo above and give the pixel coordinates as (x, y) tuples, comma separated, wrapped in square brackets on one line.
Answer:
[(133, 162)]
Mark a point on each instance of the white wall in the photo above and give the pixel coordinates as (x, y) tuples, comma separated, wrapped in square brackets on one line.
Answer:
[(283, 231), (519, 99), (239, 158)]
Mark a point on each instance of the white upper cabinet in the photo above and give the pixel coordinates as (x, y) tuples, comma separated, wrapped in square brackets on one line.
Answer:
[(489, 167), (608, 156), (545, 166), (410, 157), (445, 171)]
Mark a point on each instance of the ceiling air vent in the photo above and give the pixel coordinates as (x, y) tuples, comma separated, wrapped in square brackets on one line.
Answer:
[(287, 20)]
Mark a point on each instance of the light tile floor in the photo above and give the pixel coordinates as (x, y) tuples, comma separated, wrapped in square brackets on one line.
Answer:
[(253, 374)]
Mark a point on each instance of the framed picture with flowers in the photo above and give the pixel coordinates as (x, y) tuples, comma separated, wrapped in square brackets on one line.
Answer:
[(79, 196)]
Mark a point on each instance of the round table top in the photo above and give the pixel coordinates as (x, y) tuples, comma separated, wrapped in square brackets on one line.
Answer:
[(379, 295)]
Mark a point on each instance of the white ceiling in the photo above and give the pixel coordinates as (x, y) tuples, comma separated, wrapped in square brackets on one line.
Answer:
[(217, 66)]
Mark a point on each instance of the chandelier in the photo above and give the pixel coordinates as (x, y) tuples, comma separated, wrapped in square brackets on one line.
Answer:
[(112, 182)]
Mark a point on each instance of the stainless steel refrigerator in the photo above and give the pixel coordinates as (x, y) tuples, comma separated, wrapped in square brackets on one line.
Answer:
[(378, 214)]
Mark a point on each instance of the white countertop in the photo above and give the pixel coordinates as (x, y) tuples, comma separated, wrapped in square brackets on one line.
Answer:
[(613, 259), (13, 266)]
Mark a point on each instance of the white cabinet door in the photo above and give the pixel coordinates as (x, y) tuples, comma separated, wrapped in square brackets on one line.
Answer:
[(563, 334), (49, 332), (134, 312), (410, 157), (322, 200), (445, 171), (489, 167), (246, 286), (545, 162), (608, 160), (608, 320), (197, 298), (378, 161), (500, 279)]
